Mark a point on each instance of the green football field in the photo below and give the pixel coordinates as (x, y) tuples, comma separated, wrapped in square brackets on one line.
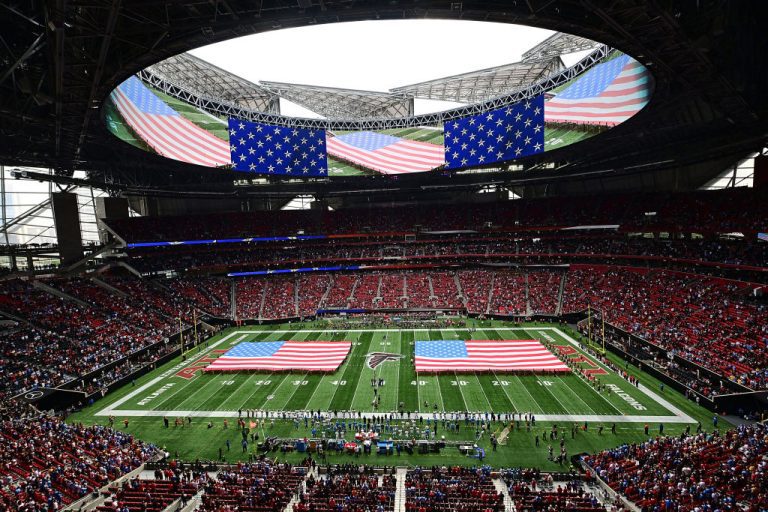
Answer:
[(181, 389)]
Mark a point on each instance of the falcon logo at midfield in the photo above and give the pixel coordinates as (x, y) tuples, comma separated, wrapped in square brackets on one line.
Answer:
[(376, 358)]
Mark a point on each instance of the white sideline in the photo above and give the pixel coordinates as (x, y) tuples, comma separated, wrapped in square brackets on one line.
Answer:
[(111, 408), (678, 415)]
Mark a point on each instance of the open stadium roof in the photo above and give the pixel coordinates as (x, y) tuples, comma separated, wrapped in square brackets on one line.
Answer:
[(558, 44), (335, 103), (59, 64), (195, 80), (482, 85), (192, 79)]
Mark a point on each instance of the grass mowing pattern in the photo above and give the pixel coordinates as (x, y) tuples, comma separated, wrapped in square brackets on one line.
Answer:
[(350, 388), (408, 394), (345, 394), (525, 393)]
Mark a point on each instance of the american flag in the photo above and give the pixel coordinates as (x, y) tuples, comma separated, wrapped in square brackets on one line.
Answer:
[(325, 356), (271, 149), (507, 133), (164, 130), (607, 94), (385, 153), (485, 355)]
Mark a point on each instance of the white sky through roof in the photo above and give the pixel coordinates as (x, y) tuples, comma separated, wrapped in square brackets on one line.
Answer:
[(374, 55)]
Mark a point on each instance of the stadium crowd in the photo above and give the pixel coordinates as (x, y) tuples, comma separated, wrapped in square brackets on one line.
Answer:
[(530, 248), (46, 464), (86, 330), (726, 211), (708, 321), (451, 489), (714, 471), (348, 489), (260, 486), (79, 326)]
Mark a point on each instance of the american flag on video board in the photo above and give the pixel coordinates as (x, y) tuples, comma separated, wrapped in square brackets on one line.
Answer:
[(164, 129), (480, 355), (271, 149), (283, 355), (607, 94), (503, 134), (386, 154)]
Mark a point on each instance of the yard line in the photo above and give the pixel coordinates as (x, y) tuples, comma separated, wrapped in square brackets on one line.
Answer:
[(504, 388), (536, 335), (458, 385), (585, 381), (295, 389), (262, 405), (456, 377), (480, 387), (396, 380), (329, 377), (180, 388), (360, 380), (234, 392), (196, 375), (522, 385), (613, 406), (245, 402), (565, 385), (304, 337), (434, 378), (238, 340), (643, 388), (592, 418), (197, 392), (407, 360), (166, 373), (546, 390)]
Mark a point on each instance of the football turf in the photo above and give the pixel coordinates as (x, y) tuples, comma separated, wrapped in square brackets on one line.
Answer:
[(180, 389)]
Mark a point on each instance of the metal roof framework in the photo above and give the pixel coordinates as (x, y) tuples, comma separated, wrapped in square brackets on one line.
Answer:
[(338, 103), (484, 84), (203, 84), (556, 45), (198, 82), (381, 123), (61, 60)]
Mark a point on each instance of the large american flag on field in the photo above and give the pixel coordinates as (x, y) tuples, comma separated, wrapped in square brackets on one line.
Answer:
[(385, 153), (485, 355), (274, 356), (503, 134), (607, 94), (164, 129), (279, 150)]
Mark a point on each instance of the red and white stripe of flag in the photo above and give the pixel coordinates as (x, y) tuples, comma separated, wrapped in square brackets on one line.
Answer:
[(293, 355), (623, 98), (402, 157), (504, 355), (173, 136)]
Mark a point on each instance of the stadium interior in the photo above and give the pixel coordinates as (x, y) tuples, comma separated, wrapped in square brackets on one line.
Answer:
[(552, 296)]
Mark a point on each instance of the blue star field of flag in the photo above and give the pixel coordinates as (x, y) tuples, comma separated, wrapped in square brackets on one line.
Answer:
[(259, 349), (594, 81), (441, 349), (504, 134), (278, 150), (144, 99)]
